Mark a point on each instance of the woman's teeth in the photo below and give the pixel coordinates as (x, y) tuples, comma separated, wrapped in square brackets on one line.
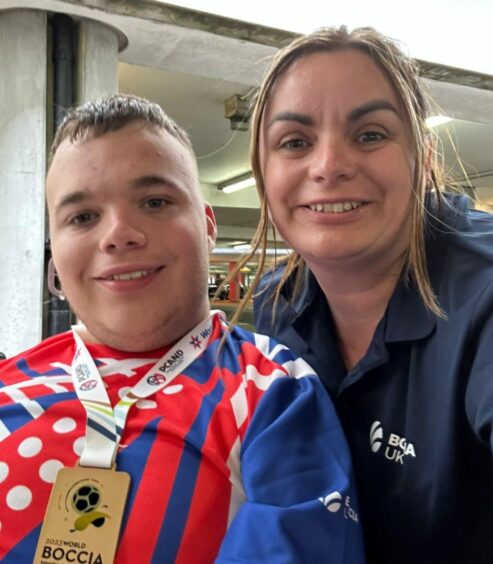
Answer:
[(338, 207)]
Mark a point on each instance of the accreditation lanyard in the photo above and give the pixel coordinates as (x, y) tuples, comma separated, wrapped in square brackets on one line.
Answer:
[(105, 424)]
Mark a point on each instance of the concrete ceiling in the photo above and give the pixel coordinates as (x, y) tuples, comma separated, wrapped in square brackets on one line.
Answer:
[(197, 103), (191, 62)]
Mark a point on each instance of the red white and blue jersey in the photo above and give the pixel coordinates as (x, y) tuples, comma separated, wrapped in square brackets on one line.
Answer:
[(241, 458)]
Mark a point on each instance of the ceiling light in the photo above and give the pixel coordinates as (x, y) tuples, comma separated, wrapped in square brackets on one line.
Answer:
[(433, 121), (237, 183)]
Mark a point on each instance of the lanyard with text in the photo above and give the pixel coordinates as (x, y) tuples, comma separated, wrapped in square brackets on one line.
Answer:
[(105, 424)]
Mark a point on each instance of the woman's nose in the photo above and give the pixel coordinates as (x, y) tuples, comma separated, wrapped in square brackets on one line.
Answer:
[(332, 162)]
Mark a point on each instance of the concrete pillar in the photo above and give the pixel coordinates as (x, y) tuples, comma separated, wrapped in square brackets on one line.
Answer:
[(23, 70), (97, 61), (23, 132)]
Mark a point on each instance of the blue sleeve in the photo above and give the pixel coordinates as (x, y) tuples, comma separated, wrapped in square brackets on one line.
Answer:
[(300, 503)]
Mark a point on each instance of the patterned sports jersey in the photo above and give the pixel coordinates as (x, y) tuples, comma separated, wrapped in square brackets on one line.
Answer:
[(241, 458)]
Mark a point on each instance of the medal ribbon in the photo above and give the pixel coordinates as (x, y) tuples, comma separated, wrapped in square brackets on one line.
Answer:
[(105, 424)]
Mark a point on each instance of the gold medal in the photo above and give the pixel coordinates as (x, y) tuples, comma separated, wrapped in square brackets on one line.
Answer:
[(83, 517)]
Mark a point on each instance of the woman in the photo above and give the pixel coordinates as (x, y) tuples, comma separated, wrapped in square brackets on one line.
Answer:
[(388, 293)]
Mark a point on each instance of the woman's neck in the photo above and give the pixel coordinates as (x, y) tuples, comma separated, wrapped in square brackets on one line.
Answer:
[(358, 301)]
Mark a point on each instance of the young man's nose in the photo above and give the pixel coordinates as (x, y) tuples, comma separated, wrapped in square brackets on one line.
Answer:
[(122, 233), (332, 162)]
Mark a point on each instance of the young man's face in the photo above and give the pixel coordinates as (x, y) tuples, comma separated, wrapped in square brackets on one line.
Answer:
[(130, 236)]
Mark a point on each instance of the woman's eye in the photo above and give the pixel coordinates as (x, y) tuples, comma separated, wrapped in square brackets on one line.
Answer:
[(371, 137), (155, 203), (294, 144), (82, 218)]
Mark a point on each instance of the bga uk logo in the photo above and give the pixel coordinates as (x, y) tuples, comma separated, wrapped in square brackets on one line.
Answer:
[(334, 501), (397, 448), (376, 436)]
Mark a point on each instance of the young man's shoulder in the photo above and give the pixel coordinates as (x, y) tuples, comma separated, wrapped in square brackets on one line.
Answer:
[(42, 357), (262, 348)]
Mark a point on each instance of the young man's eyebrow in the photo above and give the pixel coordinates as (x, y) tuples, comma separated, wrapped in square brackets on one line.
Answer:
[(372, 106), (72, 198), (151, 180), (302, 119), (79, 196)]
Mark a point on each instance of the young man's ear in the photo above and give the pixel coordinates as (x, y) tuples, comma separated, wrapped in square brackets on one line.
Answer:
[(211, 227)]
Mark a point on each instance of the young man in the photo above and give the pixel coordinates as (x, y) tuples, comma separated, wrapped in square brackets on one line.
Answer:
[(233, 451)]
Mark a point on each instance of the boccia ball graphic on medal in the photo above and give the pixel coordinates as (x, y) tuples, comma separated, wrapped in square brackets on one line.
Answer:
[(85, 501)]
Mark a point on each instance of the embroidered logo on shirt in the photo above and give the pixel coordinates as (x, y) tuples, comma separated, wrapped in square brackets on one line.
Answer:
[(333, 503), (376, 436), (397, 447)]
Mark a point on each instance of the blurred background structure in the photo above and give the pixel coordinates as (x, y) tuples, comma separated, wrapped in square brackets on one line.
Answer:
[(203, 69)]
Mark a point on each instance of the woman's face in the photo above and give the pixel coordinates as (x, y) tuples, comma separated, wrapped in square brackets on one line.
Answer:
[(336, 160)]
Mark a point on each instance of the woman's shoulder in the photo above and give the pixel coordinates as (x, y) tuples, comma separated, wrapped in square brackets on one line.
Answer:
[(464, 232)]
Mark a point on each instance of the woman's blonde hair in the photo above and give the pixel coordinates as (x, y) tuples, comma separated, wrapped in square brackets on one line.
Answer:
[(403, 75)]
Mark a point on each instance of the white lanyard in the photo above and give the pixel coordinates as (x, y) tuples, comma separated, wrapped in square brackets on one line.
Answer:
[(105, 424)]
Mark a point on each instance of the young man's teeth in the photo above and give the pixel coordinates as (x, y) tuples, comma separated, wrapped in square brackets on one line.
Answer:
[(131, 275), (338, 207)]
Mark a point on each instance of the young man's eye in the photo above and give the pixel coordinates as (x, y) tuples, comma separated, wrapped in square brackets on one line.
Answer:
[(82, 218), (156, 203)]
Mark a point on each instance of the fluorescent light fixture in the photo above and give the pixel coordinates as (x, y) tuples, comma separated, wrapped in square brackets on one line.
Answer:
[(433, 121), (237, 183), (244, 247)]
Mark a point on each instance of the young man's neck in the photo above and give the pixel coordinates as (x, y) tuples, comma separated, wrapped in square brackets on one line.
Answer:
[(157, 338)]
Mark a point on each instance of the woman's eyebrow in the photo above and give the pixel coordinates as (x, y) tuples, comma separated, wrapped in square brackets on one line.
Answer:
[(372, 106), (354, 115), (302, 119)]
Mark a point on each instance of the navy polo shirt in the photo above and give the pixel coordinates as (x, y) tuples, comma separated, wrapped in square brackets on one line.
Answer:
[(418, 408)]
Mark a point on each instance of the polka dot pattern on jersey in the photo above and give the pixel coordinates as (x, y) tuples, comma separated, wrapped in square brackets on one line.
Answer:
[(30, 447), (19, 497), (49, 469), (4, 471), (175, 389), (30, 459), (79, 445), (146, 404), (64, 425)]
